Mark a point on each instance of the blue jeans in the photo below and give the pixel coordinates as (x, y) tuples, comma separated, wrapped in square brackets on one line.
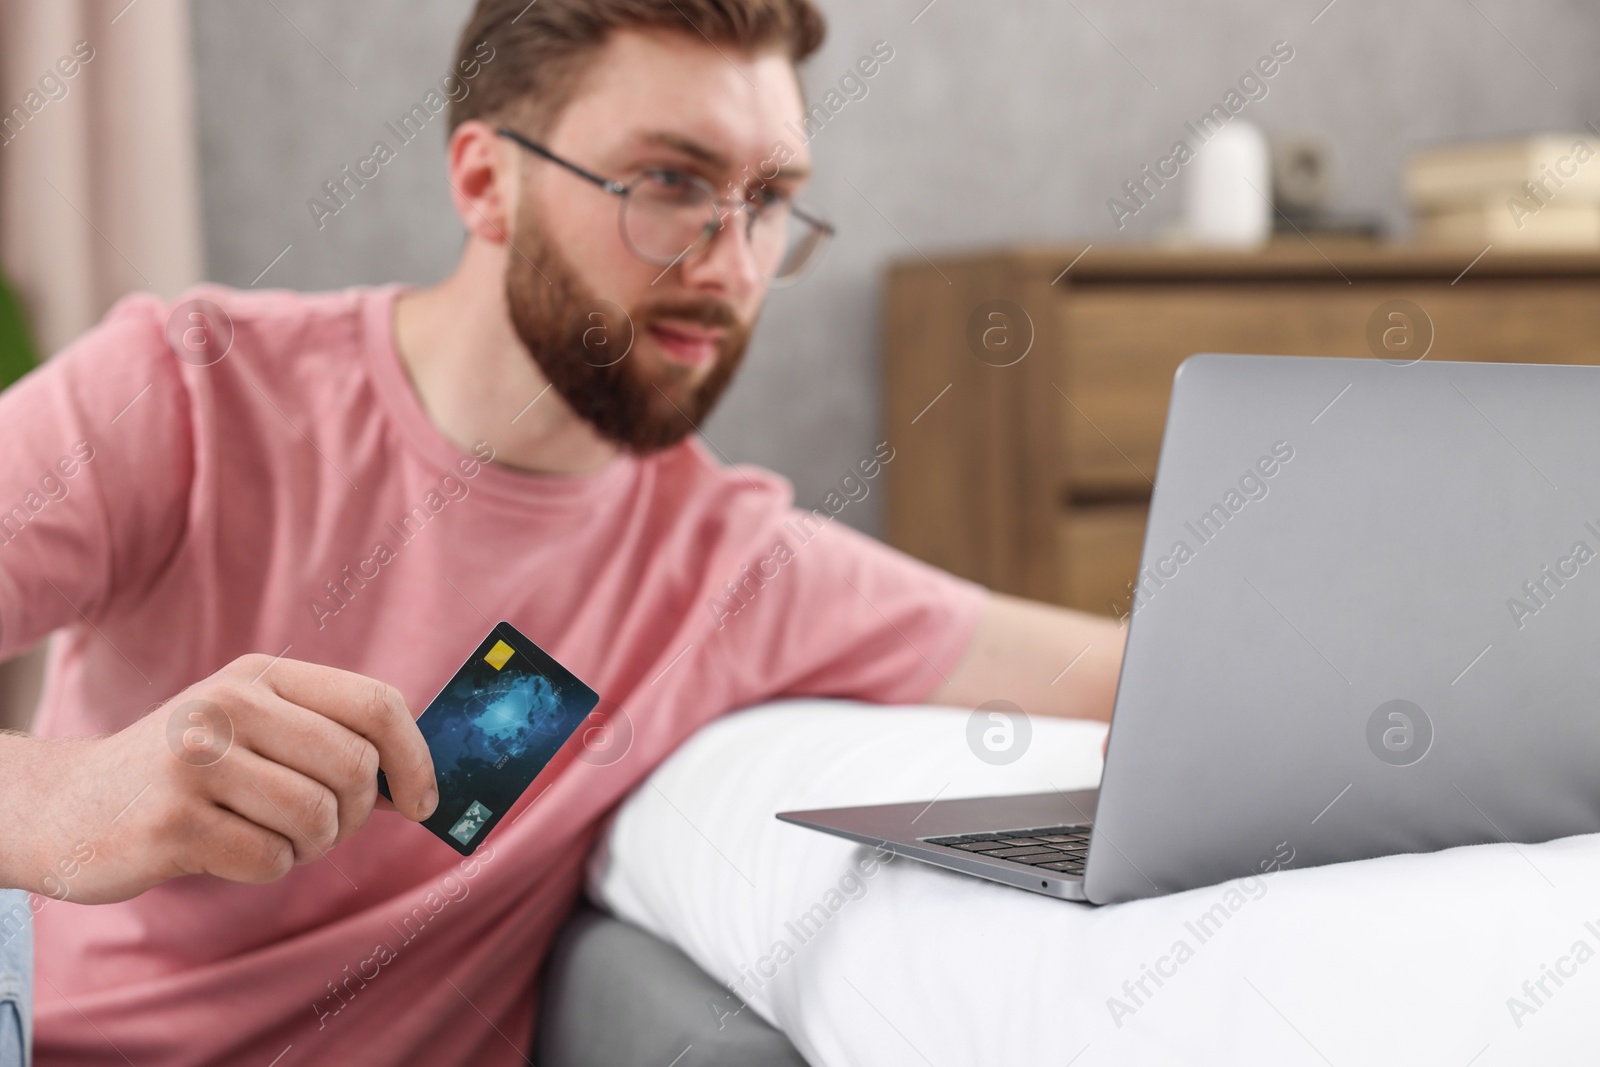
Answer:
[(16, 978)]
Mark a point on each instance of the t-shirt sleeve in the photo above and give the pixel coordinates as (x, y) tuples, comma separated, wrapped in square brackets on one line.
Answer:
[(98, 467), (823, 610)]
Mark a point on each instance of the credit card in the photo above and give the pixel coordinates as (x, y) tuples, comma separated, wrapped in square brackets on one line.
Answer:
[(492, 729)]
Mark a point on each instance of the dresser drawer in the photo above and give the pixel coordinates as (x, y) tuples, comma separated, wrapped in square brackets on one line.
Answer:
[(1099, 549), (1120, 346), (1033, 478)]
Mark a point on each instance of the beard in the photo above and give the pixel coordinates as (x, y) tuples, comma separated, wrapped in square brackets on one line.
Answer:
[(586, 348)]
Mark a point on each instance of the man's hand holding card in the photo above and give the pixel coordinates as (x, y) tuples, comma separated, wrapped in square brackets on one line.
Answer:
[(270, 763), (266, 764)]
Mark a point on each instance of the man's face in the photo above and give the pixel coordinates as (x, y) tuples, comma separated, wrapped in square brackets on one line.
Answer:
[(580, 298)]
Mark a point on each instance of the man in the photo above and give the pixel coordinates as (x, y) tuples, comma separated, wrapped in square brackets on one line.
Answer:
[(297, 511)]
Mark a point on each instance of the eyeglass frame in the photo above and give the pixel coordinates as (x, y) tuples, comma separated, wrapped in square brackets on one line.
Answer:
[(622, 190)]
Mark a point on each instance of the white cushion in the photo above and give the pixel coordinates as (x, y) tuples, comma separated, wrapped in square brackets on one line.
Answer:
[(1405, 960)]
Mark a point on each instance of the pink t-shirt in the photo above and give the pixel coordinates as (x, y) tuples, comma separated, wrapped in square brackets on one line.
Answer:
[(168, 517)]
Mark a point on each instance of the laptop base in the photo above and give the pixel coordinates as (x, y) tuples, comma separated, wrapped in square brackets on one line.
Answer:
[(906, 830)]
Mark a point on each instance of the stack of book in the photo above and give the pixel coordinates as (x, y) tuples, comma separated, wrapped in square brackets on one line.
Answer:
[(1532, 192)]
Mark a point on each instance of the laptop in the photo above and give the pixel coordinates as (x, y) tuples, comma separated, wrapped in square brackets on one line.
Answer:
[(1366, 621)]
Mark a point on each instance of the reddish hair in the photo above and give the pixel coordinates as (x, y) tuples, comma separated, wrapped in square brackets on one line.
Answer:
[(539, 49)]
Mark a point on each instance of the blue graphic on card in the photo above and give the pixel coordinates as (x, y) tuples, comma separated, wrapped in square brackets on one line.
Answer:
[(492, 729)]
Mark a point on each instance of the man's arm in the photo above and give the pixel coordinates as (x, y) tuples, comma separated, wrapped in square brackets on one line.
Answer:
[(1045, 659), (267, 763)]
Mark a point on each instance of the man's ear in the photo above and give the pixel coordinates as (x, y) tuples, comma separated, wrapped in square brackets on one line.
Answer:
[(483, 181)]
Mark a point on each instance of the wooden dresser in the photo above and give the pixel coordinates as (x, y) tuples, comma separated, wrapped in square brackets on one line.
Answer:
[(1026, 400)]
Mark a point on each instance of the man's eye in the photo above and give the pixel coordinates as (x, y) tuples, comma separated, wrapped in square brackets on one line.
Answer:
[(765, 199)]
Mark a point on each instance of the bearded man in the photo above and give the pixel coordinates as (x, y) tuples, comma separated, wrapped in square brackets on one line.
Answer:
[(297, 511)]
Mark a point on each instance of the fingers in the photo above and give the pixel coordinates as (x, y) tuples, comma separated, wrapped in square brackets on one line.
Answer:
[(282, 801), (369, 708), (230, 846), (323, 750), (288, 768)]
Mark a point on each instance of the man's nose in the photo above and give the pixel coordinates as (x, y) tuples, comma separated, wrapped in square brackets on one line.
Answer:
[(728, 263)]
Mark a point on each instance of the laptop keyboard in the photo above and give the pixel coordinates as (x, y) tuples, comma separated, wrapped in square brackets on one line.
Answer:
[(1052, 848)]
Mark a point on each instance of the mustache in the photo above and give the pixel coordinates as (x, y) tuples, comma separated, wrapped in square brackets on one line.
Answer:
[(708, 312)]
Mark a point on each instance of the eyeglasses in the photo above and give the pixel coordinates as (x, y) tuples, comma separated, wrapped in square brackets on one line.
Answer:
[(668, 215)]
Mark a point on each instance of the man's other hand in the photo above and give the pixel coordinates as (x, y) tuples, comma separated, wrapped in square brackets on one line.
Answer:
[(264, 765)]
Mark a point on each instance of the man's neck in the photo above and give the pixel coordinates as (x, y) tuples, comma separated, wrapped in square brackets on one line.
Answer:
[(475, 379)]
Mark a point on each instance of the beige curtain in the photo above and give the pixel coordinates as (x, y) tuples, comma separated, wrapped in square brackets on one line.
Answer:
[(98, 185)]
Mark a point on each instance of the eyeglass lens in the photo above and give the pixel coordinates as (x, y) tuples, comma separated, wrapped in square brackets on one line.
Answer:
[(667, 216)]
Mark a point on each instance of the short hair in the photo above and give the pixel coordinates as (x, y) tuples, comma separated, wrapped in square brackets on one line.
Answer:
[(539, 49)]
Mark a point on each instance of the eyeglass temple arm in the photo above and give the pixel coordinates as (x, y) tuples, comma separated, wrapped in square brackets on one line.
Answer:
[(820, 223), (540, 150), (617, 187)]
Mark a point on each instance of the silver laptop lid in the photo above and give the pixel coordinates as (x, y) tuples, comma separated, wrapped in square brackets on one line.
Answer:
[(1367, 620)]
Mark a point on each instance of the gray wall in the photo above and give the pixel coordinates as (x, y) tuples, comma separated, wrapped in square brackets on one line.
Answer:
[(993, 122)]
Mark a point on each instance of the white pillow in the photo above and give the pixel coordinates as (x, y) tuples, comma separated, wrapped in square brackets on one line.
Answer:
[(1409, 959)]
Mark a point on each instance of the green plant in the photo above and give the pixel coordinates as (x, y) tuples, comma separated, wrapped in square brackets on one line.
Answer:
[(16, 345)]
